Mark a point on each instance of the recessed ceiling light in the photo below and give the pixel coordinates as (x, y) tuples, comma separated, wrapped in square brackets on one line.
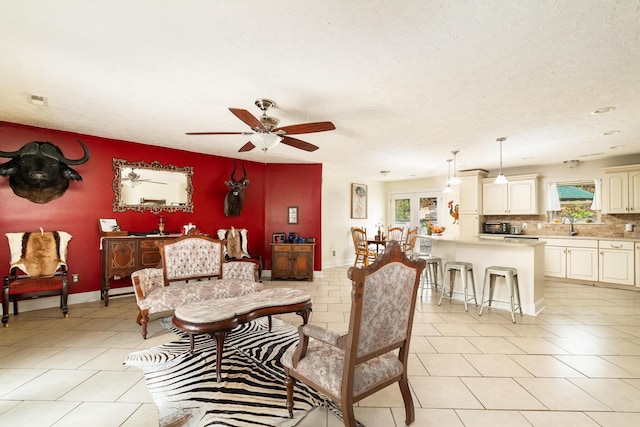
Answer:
[(384, 173), (610, 132), (39, 100), (613, 147), (603, 110)]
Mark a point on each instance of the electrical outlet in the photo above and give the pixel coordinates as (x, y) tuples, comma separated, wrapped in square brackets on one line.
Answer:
[(539, 226), (524, 225), (75, 278)]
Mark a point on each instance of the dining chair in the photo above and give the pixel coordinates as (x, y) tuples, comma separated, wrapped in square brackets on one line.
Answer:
[(363, 254), (373, 353), (410, 240), (395, 233)]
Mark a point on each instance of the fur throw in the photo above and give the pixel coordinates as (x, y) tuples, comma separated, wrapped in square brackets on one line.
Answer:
[(38, 254), (236, 246)]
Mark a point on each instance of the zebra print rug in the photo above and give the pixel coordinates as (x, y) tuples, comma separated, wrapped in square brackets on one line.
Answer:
[(252, 391)]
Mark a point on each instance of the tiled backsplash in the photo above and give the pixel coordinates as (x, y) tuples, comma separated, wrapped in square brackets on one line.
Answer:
[(611, 226)]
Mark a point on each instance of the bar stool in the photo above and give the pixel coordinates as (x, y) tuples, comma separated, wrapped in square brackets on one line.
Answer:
[(466, 270), (510, 275), (434, 265)]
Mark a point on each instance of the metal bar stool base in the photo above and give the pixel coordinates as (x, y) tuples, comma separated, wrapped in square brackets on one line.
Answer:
[(466, 271), (513, 289)]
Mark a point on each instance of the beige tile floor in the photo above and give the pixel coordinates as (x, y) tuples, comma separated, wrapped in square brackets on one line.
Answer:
[(577, 363)]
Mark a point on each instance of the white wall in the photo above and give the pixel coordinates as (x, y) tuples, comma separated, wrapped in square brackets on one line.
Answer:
[(336, 199)]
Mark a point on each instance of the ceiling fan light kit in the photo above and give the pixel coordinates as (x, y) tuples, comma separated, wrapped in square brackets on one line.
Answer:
[(266, 133)]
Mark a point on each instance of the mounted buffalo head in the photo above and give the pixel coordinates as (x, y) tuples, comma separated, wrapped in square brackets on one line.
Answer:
[(39, 171), (234, 198)]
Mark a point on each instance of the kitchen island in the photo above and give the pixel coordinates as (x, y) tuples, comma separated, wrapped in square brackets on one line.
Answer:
[(524, 254)]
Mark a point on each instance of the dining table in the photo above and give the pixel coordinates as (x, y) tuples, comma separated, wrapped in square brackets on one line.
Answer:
[(377, 243)]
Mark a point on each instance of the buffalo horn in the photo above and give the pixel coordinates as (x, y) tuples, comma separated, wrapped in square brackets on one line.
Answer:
[(84, 158)]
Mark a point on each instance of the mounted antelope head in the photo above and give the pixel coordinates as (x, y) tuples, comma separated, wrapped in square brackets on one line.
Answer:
[(234, 198)]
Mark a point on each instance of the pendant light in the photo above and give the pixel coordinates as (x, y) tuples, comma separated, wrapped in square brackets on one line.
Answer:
[(455, 179), (501, 179), (448, 188)]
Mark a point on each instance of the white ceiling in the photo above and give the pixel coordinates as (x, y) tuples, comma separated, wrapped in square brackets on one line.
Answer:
[(404, 81)]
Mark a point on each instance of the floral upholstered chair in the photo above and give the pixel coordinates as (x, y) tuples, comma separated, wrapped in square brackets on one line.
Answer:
[(38, 267), (373, 353)]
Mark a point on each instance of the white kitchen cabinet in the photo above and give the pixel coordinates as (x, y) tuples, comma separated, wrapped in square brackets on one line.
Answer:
[(555, 261), (621, 189), (638, 264), (469, 226), (571, 259), (471, 191), (616, 262), (518, 197)]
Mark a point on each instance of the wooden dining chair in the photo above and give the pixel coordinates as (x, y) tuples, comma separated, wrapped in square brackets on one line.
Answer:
[(363, 254), (410, 241), (395, 233)]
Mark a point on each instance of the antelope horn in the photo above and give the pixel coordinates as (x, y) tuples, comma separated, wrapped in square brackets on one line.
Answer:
[(244, 171), (233, 173)]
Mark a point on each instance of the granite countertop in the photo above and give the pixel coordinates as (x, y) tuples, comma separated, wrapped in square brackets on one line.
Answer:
[(485, 242), (560, 236)]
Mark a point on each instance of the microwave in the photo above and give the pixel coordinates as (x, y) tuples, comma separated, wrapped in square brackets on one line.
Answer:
[(496, 228)]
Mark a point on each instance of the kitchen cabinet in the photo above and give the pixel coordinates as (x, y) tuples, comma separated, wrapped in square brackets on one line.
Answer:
[(292, 261), (518, 197), (637, 264), (471, 191), (616, 262), (621, 189), (571, 259)]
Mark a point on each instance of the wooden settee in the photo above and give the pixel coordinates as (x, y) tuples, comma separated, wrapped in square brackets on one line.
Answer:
[(193, 269)]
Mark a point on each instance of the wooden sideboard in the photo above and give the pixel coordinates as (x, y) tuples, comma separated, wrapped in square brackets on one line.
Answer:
[(292, 261), (122, 255)]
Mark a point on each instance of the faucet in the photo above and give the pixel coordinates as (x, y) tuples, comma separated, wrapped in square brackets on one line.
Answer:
[(569, 220)]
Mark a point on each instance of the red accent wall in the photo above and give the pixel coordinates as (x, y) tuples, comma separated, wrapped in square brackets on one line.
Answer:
[(273, 187)]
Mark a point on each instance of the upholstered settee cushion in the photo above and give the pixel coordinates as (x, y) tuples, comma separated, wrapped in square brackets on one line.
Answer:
[(170, 297), (236, 246), (323, 364), (40, 253), (190, 258)]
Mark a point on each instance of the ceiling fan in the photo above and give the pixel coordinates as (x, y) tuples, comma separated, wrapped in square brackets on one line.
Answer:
[(266, 133), (135, 179)]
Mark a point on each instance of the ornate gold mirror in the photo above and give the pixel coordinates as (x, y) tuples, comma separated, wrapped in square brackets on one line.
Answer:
[(140, 186)]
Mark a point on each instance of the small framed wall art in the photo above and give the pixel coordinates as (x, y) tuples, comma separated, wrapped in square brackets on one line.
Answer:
[(292, 215), (359, 201)]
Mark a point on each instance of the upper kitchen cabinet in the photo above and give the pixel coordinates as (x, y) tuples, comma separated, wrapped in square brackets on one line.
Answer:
[(518, 197), (621, 189), (471, 191)]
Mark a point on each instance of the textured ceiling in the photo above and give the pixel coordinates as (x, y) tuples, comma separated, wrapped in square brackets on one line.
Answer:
[(405, 82)]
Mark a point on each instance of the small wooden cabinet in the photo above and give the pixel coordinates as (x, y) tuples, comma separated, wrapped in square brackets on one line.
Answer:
[(121, 256), (616, 262), (571, 259), (292, 261)]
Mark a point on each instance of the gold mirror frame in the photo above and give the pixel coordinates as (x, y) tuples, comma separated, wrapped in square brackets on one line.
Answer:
[(157, 206)]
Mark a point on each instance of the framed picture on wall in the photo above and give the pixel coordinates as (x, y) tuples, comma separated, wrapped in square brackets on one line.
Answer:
[(359, 201)]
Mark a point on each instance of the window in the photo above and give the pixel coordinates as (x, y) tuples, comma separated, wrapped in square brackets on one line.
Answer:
[(576, 201)]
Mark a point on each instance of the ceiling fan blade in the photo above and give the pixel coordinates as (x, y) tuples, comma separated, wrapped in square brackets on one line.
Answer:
[(306, 128), (294, 142), (248, 118), (247, 147), (218, 133)]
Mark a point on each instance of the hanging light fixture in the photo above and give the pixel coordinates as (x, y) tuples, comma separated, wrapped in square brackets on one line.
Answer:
[(448, 188), (265, 140), (455, 179), (501, 179)]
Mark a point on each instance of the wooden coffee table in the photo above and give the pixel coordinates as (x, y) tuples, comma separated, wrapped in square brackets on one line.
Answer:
[(218, 317)]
